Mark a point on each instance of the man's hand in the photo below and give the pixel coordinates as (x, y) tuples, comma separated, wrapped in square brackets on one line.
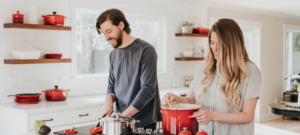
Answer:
[(108, 107)]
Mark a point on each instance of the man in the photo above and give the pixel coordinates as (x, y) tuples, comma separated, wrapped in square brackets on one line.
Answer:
[(132, 81)]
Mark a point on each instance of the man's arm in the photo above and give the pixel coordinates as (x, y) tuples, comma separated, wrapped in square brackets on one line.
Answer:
[(148, 82)]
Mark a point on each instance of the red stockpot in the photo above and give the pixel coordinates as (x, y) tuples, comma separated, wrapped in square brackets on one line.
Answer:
[(56, 94), (54, 19), (178, 117)]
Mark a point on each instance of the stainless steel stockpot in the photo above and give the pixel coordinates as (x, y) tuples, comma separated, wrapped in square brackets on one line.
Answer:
[(117, 125)]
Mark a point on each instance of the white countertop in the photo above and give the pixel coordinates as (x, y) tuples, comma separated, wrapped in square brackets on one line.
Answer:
[(73, 102)]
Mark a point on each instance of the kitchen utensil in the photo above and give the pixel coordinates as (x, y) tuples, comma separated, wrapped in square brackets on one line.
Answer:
[(18, 18), (32, 15), (99, 121), (171, 103), (56, 94), (172, 124), (117, 125), (27, 100), (26, 52), (54, 19), (53, 56), (26, 95), (185, 132)]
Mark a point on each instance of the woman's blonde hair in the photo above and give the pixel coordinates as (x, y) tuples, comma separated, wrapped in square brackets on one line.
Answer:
[(232, 56)]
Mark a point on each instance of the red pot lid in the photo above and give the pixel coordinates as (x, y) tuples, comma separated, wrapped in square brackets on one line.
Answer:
[(18, 13), (185, 132), (181, 106), (56, 89), (54, 14)]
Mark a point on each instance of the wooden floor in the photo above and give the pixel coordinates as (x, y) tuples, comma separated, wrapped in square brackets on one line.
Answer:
[(288, 126)]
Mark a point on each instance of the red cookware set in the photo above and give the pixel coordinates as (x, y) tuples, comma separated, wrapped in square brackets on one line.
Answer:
[(51, 19), (55, 94)]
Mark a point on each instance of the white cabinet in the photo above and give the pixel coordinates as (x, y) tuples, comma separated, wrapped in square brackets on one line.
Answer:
[(16, 119), (66, 117)]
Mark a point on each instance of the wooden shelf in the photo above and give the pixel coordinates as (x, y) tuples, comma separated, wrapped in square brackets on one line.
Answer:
[(35, 61), (190, 35), (36, 26), (189, 58)]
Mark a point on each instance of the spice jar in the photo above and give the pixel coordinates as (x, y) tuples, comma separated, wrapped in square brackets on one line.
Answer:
[(18, 18), (185, 132)]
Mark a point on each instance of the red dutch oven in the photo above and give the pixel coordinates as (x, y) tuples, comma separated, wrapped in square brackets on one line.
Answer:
[(177, 117), (56, 94), (54, 19)]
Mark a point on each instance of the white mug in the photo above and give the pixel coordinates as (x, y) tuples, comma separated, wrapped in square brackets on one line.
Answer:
[(32, 15)]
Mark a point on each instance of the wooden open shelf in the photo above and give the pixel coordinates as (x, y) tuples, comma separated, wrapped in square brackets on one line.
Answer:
[(189, 58), (190, 35), (35, 61), (36, 26)]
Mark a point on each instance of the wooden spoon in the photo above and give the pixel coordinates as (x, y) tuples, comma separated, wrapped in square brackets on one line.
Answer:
[(171, 103)]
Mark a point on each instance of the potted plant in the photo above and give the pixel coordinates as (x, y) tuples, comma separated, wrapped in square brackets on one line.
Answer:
[(187, 27)]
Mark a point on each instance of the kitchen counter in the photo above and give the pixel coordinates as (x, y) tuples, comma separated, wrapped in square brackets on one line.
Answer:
[(61, 111), (74, 102)]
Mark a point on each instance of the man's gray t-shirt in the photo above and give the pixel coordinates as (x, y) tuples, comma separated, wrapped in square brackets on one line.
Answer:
[(133, 79)]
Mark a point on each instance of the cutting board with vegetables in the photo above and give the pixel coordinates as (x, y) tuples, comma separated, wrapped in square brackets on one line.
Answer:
[(80, 131)]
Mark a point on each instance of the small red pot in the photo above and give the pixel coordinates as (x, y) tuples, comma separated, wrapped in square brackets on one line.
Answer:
[(53, 56), (56, 94), (54, 19), (178, 117), (18, 18)]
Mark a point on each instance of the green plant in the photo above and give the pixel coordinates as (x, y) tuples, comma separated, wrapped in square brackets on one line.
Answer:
[(187, 24), (37, 125)]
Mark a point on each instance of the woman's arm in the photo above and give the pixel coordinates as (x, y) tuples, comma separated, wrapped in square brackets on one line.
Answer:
[(190, 98), (244, 117)]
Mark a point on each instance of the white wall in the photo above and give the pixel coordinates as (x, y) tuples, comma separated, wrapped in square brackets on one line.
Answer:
[(37, 77)]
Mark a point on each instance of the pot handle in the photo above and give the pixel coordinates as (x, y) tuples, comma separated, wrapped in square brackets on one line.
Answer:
[(10, 95), (39, 93), (43, 91), (44, 16)]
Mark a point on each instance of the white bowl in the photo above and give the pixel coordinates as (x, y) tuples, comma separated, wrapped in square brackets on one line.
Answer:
[(25, 54), (187, 53)]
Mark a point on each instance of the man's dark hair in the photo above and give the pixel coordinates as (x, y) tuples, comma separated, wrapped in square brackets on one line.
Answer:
[(115, 16)]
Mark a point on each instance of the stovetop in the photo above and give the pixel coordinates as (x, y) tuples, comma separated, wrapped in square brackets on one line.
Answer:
[(85, 131)]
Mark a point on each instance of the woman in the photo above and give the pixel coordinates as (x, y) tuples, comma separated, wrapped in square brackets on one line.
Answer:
[(227, 85)]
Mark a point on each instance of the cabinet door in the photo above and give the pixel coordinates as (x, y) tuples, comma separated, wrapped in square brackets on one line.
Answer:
[(66, 117)]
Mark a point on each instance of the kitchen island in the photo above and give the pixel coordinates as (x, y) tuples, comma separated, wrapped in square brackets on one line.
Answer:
[(59, 115)]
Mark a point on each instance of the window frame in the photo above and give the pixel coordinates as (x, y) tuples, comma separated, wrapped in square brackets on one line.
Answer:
[(288, 28), (161, 45)]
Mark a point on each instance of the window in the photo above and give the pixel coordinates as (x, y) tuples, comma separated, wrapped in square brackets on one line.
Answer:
[(93, 50), (292, 55)]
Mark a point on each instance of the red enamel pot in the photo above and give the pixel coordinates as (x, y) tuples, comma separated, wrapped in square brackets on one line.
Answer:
[(56, 94), (54, 19), (178, 117)]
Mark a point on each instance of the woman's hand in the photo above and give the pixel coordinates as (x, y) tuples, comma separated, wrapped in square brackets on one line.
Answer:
[(203, 117), (168, 98)]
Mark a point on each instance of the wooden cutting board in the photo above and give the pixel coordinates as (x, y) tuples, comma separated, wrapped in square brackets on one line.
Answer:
[(81, 131)]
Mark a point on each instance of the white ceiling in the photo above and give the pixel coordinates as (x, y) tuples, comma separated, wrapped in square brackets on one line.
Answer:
[(291, 7)]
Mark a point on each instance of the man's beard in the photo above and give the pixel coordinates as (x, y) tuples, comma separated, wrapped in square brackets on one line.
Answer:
[(118, 40)]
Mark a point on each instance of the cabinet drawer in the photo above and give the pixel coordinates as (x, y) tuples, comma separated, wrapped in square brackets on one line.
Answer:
[(66, 117)]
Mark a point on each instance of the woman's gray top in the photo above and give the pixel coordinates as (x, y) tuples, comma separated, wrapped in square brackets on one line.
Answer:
[(211, 100)]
